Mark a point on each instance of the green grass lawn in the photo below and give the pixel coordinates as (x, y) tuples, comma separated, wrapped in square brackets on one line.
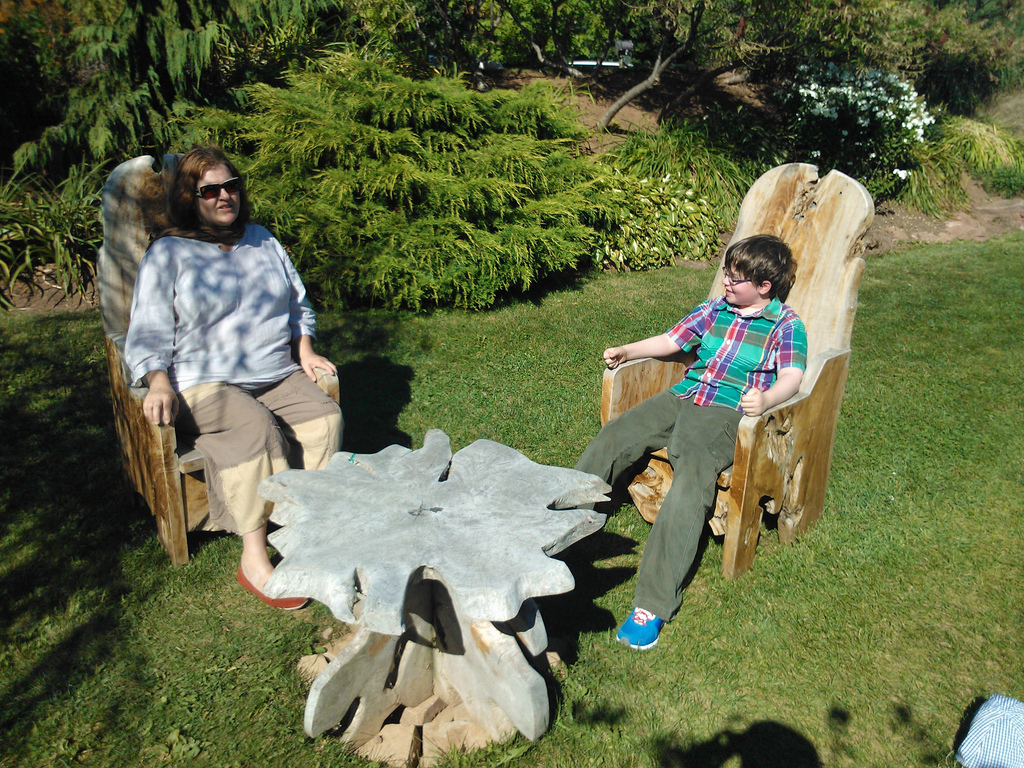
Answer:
[(862, 645)]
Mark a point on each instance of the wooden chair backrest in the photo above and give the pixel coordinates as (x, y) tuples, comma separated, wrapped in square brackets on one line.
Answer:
[(134, 208), (822, 221)]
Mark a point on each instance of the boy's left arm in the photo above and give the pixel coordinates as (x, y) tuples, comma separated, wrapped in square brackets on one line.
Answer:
[(754, 402)]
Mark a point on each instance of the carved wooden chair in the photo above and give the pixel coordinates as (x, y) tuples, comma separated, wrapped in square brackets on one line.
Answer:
[(782, 457), (169, 476)]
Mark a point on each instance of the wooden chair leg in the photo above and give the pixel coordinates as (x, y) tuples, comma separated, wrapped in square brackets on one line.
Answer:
[(742, 529), (167, 503)]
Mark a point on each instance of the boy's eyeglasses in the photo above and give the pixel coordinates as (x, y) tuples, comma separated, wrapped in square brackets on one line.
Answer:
[(212, 191), (733, 280)]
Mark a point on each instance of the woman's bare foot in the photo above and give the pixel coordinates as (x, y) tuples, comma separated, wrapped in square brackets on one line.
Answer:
[(255, 561), (255, 569)]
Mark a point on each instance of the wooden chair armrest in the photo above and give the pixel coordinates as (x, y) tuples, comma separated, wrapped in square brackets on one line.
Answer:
[(812, 386), (804, 424), (328, 382), (637, 380), (137, 436)]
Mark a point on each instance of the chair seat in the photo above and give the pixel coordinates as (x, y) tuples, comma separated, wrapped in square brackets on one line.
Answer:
[(190, 460), (649, 487)]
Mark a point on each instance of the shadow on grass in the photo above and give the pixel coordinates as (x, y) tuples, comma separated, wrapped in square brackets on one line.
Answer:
[(374, 390), (907, 726), (574, 613), (764, 744), (65, 521)]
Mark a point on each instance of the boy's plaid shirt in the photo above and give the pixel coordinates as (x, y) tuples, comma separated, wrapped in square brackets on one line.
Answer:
[(737, 352)]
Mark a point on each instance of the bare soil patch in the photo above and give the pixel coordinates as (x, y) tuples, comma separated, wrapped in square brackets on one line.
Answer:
[(985, 217), (44, 294)]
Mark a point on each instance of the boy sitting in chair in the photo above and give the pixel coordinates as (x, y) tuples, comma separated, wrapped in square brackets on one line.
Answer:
[(751, 357)]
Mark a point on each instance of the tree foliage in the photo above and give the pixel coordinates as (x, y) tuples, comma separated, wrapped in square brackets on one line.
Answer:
[(35, 72), (156, 57)]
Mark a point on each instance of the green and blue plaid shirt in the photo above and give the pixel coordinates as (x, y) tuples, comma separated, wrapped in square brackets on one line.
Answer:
[(737, 352)]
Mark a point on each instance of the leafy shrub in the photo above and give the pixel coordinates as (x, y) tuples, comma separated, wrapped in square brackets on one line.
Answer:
[(974, 52), (404, 193), (683, 150), (1008, 182), (42, 223), (935, 185), (753, 138), (867, 124), (655, 222)]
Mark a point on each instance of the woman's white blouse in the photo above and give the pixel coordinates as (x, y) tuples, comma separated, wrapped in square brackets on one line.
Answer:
[(204, 314)]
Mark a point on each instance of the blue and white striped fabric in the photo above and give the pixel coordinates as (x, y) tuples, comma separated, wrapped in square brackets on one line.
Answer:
[(995, 738)]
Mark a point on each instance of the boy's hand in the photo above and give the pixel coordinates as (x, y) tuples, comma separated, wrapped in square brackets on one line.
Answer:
[(752, 402), (614, 356)]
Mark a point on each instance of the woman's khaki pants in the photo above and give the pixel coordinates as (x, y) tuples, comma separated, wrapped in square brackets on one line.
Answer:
[(247, 435)]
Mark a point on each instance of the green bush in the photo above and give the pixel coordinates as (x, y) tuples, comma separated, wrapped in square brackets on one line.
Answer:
[(935, 184), (1008, 182), (396, 192), (684, 151), (42, 223), (655, 223)]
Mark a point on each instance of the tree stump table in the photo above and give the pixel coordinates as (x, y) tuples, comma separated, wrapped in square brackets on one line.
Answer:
[(437, 559)]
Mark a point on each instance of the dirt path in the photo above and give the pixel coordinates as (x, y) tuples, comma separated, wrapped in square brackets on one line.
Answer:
[(986, 217)]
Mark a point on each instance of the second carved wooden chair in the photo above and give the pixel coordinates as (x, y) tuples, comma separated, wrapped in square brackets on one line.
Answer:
[(167, 475), (783, 457)]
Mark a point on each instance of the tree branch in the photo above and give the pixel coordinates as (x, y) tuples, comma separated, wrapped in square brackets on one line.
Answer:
[(660, 65), (542, 59)]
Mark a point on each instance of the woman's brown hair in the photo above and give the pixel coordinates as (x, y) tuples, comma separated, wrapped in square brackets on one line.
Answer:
[(181, 199)]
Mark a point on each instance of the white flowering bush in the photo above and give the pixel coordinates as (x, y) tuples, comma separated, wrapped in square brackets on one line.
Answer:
[(865, 123)]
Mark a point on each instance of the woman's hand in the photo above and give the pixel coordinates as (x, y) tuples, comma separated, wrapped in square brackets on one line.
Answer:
[(310, 360), (161, 404)]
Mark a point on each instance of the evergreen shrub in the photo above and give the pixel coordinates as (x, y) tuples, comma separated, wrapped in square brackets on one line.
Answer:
[(140, 64), (406, 193)]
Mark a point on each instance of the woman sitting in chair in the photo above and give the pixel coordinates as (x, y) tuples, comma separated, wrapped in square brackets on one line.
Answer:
[(221, 332)]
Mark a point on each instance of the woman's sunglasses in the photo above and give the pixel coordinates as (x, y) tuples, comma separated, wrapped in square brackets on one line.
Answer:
[(212, 191)]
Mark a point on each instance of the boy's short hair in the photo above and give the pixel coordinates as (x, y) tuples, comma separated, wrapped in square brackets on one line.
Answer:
[(763, 257)]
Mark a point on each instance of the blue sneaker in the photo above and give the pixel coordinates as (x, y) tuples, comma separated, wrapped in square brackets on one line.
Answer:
[(640, 631)]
